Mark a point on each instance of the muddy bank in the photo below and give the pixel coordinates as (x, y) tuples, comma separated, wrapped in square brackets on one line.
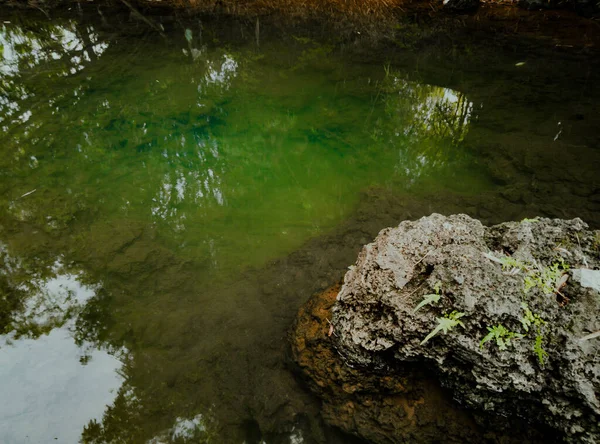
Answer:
[(504, 317), (569, 25)]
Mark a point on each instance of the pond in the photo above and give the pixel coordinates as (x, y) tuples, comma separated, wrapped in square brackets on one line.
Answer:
[(171, 194)]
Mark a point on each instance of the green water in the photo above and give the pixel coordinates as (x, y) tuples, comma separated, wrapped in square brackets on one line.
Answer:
[(167, 203)]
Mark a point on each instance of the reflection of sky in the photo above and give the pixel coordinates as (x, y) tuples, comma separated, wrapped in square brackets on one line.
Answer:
[(187, 430), (53, 396), (55, 297), (200, 186), (64, 37), (222, 74), (184, 429), (35, 51)]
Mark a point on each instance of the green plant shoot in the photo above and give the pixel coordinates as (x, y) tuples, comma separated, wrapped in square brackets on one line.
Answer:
[(538, 349), (501, 335), (529, 318), (445, 324), (430, 299)]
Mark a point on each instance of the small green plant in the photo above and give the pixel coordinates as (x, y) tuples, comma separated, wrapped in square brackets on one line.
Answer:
[(548, 277), (501, 335), (539, 351), (529, 282), (513, 265), (544, 278), (529, 320), (510, 262), (535, 219), (430, 299), (445, 324), (548, 280)]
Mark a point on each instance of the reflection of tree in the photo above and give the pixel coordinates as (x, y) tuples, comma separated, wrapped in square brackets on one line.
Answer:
[(37, 296), (425, 111), (11, 302), (125, 421), (33, 59), (427, 124), (182, 186)]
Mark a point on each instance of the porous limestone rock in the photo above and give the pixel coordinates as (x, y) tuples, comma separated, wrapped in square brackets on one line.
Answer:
[(513, 276), (403, 404)]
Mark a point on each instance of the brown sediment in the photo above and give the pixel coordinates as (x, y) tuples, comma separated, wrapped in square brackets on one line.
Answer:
[(391, 406)]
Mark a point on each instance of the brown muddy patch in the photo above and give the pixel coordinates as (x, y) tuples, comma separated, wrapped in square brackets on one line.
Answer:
[(407, 404)]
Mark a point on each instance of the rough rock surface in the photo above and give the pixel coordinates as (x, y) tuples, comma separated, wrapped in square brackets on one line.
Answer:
[(482, 274), (404, 404)]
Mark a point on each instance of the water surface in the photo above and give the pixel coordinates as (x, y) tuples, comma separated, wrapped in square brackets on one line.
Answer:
[(168, 201)]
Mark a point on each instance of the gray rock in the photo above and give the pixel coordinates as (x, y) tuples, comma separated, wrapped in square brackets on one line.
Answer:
[(538, 368)]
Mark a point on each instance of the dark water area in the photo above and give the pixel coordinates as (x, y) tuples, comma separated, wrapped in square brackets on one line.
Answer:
[(168, 200)]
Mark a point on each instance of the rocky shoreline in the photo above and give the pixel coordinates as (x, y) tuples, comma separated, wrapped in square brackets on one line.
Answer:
[(447, 328)]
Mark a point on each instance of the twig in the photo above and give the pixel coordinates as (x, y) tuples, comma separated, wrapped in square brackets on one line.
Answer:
[(421, 260), (143, 18), (565, 299), (28, 193), (590, 336), (416, 289)]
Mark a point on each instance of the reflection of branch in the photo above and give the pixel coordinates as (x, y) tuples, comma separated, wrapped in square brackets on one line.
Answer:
[(87, 43), (36, 6), (455, 123), (449, 124), (139, 15), (257, 33), (463, 114), (340, 138)]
